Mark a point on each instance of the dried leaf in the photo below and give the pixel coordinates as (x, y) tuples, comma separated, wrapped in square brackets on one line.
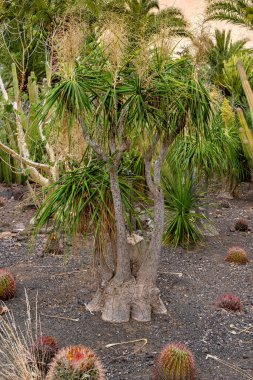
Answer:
[(3, 310)]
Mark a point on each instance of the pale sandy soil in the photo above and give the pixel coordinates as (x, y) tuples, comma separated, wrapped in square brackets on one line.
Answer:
[(194, 12)]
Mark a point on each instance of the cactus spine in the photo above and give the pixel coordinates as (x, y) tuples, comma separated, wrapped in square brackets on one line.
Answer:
[(7, 285), (175, 362), (76, 363), (43, 351)]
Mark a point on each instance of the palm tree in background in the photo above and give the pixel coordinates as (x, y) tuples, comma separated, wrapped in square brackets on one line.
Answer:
[(220, 50), (143, 17), (238, 12)]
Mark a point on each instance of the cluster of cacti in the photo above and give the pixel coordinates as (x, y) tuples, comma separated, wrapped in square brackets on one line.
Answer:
[(229, 302), (76, 363), (43, 350), (246, 134), (237, 255), (175, 362), (7, 285), (242, 225)]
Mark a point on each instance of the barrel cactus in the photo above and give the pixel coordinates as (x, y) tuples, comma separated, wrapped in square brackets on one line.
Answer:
[(43, 350), (242, 225), (76, 363), (237, 255), (175, 362), (229, 302), (7, 285)]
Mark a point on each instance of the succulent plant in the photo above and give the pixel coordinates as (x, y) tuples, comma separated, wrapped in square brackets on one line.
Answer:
[(175, 362), (241, 225), (237, 255), (229, 302), (43, 351), (7, 285), (76, 363)]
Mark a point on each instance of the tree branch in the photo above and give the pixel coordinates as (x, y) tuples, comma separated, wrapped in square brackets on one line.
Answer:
[(11, 152), (97, 148)]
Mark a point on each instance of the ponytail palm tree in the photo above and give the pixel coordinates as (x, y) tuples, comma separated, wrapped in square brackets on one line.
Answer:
[(238, 12), (119, 107)]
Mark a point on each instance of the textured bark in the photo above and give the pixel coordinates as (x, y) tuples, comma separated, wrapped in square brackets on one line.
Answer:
[(133, 293), (123, 272)]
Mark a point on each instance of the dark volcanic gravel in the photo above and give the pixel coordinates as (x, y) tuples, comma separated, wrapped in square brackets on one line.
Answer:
[(190, 283)]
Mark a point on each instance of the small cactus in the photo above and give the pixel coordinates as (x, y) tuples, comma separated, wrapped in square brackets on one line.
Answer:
[(7, 285), (229, 302), (242, 225), (237, 255), (76, 363), (43, 351), (175, 362)]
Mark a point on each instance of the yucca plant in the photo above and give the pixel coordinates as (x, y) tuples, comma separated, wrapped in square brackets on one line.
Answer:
[(182, 219), (220, 153), (119, 106), (81, 202)]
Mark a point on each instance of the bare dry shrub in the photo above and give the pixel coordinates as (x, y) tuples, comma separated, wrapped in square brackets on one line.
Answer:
[(16, 360)]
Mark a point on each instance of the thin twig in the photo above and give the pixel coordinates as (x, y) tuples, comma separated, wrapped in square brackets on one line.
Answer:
[(60, 317), (68, 273), (128, 342), (247, 329), (232, 366)]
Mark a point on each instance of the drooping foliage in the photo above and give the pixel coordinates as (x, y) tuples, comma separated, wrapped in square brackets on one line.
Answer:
[(238, 12)]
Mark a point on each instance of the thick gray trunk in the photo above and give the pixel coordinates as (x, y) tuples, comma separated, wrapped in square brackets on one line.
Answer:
[(133, 295), (123, 270)]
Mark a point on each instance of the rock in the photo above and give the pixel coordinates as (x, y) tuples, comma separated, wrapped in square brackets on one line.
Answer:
[(18, 227), (2, 201), (134, 239), (5, 235), (225, 195), (209, 229), (7, 193), (224, 204), (29, 206)]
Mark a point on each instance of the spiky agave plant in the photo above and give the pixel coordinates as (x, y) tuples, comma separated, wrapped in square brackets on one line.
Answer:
[(7, 285), (76, 363), (175, 362), (182, 220)]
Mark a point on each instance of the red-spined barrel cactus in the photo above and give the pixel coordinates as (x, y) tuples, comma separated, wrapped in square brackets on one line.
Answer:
[(76, 363), (175, 362), (229, 302), (43, 351), (7, 285), (242, 225), (237, 255)]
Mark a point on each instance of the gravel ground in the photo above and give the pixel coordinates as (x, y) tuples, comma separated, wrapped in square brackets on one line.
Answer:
[(190, 282)]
